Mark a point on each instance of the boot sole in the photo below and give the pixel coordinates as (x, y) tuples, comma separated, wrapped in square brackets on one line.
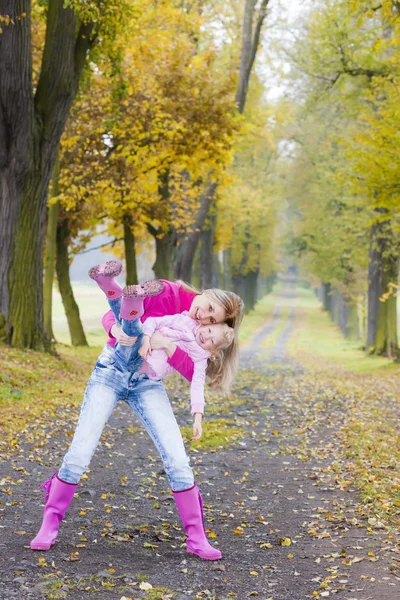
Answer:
[(42, 547), (203, 557), (150, 288), (112, 268)]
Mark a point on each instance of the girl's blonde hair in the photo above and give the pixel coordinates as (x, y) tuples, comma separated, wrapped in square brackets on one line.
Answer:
[(224, 364)]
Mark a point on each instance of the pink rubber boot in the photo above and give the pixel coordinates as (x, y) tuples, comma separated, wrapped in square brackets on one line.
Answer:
[(134, 295), (190, 507), (57, 499), (104, 276)]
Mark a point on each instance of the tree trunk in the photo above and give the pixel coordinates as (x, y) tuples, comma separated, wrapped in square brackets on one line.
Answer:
[(209, 268), (50, 254), (249, 290), (226, 270), (326, 296), (250, 44), (352, 330), (30, 130), (130, 252), (382, 271), (188, 247), (71, 308), (165, 240), (334, 305)]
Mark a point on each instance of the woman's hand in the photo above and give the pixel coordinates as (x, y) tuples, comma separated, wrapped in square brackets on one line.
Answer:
[(145, 348), (197, 429), (159, 342), (121, 337)]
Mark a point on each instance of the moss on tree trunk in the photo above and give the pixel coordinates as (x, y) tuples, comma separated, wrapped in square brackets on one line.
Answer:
[(130, 251), (382, 309), (71, 308)]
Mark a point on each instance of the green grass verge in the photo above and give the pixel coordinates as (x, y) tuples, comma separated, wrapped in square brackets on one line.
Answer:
[(316, 335), (370, 435), (32, 383)]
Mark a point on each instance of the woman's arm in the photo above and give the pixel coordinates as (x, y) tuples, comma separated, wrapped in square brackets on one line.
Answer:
[(177, 358), (108, 321)]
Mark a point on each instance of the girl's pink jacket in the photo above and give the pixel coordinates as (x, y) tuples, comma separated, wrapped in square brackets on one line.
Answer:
[(181, 329), (172, 300)]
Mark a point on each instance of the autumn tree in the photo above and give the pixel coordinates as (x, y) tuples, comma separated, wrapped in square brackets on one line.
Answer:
[(32, 120), (347, 64)]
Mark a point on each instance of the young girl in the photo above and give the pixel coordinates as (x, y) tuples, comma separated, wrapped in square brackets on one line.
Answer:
[(110, 383), (199, 342)]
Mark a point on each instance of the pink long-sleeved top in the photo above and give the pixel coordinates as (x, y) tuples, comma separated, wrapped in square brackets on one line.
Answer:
[(172, 300), (181, 329)]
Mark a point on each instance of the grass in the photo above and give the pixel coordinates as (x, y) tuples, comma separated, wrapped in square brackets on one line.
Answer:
[(370, 437), (316, 335), (217, 433), (92, 306), (32, 383)]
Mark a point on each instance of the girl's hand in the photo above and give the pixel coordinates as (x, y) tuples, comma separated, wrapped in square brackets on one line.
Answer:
[(197, 429), (121, 337), (159, 342), (145, 348)]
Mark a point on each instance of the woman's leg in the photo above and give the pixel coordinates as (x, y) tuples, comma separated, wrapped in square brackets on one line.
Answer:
[(99, 402), (100, 398), (150, 403)]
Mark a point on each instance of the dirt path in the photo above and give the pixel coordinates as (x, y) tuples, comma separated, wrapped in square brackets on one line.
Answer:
[(289, 525)]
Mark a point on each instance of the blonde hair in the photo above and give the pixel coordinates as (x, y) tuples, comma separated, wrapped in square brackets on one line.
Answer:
[(232, 304), (223, 366)]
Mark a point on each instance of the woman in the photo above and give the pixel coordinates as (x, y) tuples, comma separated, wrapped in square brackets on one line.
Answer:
[(149, 401)]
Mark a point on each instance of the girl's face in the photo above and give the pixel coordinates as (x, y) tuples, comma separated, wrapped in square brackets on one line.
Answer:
[(210, 337), (206, 311)]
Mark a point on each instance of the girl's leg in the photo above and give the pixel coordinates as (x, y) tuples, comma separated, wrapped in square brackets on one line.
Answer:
[(134, 295), (104, 275), (115, 306), (132, 308), (128, 356)]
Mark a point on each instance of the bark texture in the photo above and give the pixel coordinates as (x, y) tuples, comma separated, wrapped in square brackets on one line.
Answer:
[(188, 247), (130, 251), (30, 130), (71, 308), (382, 271), (50, 254)]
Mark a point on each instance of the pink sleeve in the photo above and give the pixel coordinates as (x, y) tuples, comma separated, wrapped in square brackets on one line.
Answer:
[(108, 321), (151, 323), (197, 387), (181, 362)]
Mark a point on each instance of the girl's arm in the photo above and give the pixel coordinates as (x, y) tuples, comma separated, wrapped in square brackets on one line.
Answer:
[(177, 358), (197, 386)]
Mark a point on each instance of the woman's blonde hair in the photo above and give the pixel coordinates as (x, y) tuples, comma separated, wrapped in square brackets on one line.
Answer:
[(232, 304), (224, 364)]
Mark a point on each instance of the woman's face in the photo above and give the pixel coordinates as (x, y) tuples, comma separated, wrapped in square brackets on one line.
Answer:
[(206, 311)]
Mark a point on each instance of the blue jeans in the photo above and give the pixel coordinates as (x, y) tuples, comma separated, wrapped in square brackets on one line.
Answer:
[(127, 356), (147, 398)]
